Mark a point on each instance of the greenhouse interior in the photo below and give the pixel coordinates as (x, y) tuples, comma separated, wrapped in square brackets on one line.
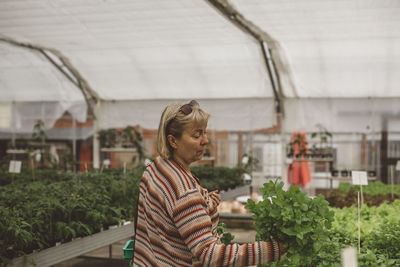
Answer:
[(303, 138)]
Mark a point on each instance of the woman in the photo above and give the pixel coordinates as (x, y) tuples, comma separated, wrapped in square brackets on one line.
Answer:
[(177, 218)]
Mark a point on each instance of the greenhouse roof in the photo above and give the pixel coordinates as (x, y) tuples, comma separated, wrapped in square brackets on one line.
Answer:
[(139, 55)]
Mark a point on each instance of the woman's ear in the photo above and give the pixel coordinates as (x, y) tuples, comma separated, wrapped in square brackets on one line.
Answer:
[(172, 141)]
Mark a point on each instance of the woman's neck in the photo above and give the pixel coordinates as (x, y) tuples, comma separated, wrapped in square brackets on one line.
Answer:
[(182, 164)]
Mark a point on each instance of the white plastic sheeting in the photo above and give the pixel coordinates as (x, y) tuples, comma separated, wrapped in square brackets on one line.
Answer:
[(227, 114), (141, 54), (149, 50), (32, 89), (360, 115), (345, 57), (337, 48)]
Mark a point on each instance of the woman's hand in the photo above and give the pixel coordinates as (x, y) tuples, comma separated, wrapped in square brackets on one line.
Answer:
[(215, 199)]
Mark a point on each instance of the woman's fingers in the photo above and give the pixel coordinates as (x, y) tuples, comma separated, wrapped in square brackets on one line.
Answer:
[(214, 195)]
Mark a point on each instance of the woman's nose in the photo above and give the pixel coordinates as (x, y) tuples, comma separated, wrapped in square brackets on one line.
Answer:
[(204, 140)]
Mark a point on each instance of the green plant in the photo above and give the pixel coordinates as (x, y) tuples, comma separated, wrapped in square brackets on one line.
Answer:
[(107, 138), (380, 233), (39, 140), (60, 206), (225, 237), (218, 178), (299, 222), (385, 240), (324, 143), (374, 194), (39, 134), (373, 188), (248, 163), (19, 143), (131, 137)]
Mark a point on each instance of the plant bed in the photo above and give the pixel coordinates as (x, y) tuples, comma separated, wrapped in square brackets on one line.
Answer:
[(316, 234), (76, 247), (374, 194), (218, 178), (59, 206), (380, 233), (37, 215)]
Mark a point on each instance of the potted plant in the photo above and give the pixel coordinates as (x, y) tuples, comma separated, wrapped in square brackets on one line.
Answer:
[(131, 137), (107, 138), (323, 148), (18, 144), (290, 150), (344, 173)]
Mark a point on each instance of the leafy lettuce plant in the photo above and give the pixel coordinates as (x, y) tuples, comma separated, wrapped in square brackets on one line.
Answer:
[(225, 237), (301, 223)]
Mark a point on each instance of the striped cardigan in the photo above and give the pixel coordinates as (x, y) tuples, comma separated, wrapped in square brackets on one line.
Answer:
[(177, 222)]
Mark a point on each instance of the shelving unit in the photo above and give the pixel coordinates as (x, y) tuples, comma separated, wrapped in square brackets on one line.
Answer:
[(17, 151), (118, 149), (327, 163)]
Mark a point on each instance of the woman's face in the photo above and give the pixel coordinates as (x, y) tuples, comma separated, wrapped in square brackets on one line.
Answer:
[(192, 144)]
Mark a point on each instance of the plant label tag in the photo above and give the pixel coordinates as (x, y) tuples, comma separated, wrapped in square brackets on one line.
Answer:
[(359, 178), (11, 167), (106, 162), (349, 257), (15, 166), (398, 165)]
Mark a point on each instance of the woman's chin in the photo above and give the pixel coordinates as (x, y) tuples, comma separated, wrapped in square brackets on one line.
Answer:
[(199, 156)]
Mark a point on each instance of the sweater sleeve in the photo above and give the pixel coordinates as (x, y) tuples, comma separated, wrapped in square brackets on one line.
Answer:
[(195, 227), (213, 203)]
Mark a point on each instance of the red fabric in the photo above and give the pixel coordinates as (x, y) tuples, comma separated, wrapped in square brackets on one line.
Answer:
[(85, 156), (298, 171)]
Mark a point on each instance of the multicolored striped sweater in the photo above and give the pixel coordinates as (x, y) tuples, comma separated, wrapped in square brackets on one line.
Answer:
[(177, 223)]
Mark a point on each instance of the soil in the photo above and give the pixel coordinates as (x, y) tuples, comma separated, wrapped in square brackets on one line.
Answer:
[(340, 199)]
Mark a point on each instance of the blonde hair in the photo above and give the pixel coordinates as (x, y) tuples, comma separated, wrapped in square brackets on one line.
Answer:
[(174, 122)]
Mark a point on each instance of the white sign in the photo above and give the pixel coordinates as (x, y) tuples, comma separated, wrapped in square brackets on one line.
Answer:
[(349, 257), (359, 177), (15, 166), (106, 162), (38, 156), (289, 160), (398, 165)]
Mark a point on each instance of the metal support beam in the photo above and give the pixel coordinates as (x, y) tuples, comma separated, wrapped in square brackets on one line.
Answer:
[(74, 145), (273, 76), (96, 141), (229, 12), (73, 75)]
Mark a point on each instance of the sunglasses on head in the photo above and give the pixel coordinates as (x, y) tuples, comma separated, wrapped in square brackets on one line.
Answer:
[(187, 108)]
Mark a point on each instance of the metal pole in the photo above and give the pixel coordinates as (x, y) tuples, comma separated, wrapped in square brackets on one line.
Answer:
[(96, 142), (74, 144), (13, 125), (272, 75)]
